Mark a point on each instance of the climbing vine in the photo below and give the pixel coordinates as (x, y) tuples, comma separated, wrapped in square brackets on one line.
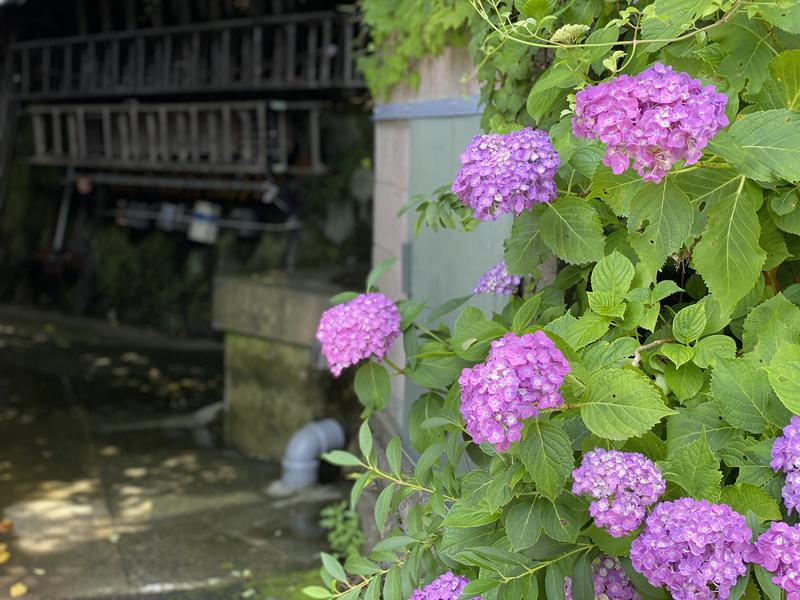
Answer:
[(629, 428)]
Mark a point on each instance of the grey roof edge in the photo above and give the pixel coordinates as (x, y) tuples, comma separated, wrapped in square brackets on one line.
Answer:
[(428, 109)]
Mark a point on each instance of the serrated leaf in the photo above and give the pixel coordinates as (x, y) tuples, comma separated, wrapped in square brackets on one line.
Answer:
[(524, 524), (560, 521), (582, 579), (622, 403), (666, 19), (744, 394), (589, 328), (548, 89), (728, 255), (472, 340), (617, 191), (660, 219), (546, 453), (713, 347), (768, 325), (743, 497), (689, 324), (690, 423), (571, 229), (524, 248), (372, 386), (784, 375), (677, 353), (747, 51), (525, 315), (684, 381), (785, 68), (786, 17), (437, 371), (613, 275), (771, 138), (664, 289), (695, 468)]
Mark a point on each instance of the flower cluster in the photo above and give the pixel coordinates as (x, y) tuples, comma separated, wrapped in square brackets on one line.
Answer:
[(507, 173), (786, 457), (694, 548), (497, 280), (610, 581), (365, 326), (778, 551), (520, 377), (655, 119), (444, 587), (623, 484)]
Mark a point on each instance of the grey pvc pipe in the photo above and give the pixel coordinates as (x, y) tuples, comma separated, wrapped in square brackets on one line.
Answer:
[(301, 459)]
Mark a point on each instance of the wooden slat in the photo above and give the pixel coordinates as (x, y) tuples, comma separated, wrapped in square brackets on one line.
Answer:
[(66, 81), (39, 135), (326, 57), (212, 137), (123, 130), (312, 54), (108, 140), (347, 66), (45, 69), (26, 71), (227, 145), (151, 128), (166, 67), (291, 51), (133, 115), (80, 119), (258, 54), (246, 134), (55, 123), (225, 74), (194, 133), (261, 140), (72, 136), (163, 131)]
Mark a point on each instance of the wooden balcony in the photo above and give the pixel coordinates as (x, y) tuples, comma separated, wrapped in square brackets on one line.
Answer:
[(302, 52), (222, 139)]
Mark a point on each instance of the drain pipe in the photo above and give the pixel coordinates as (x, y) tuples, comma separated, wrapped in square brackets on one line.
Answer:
[(301, 458)]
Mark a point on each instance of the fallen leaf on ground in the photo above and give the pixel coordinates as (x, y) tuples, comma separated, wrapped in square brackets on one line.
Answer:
[(18, 590), (4, 556), (6, 525)]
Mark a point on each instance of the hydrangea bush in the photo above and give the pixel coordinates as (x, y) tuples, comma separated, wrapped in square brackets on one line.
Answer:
[(630, 428)]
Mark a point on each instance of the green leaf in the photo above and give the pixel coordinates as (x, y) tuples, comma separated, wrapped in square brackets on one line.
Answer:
[(333, 567), (409, 310), (785, 68), (743, 497), (446, 308), (472, 339), (383, 505), (365, 439), (786, 17), (617, 191), (554, 583), (461, 514), (372, 386), (665, 19), (341, 458), (690, 423), (659, 221), (549, 88), (608, 544), (764, 577), (378, 271), (582, 579), (438, 371), (746, 43), (537, 9), (317, 592), (695, 468), (343, 297), (622, 403), (728, 255), (713, 347), (664, 289), (425, 407), (524, 248), (689, 324), (478, 586), (524, 524), (571, 229), (784, 375), (677, 353), (771, 138), (394, 455), (684, 381), (560, 521), (768, 325), (613, 275), (578, 333), (525, 315), (546, 453), (744, 394)]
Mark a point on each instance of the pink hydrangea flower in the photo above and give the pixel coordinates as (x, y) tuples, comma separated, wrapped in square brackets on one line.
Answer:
[(521, 376), (610, 580), (364, 327), (778, 551), (507, 173), (654, 119), (623, 484), (786, 457), (696, 549), (498, 281), (444, 587)]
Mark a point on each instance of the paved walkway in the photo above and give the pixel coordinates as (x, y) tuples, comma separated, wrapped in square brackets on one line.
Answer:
[(132, 514)]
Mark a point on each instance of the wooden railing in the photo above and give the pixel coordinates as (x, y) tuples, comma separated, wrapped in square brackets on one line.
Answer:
[(230, 138), (305, 51)]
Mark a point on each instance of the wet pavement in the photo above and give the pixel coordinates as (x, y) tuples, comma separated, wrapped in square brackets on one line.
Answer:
[(106, 502)]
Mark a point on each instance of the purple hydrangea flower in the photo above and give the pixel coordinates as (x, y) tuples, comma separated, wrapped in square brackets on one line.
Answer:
[(444, 587), (567, 588), (507, 173), (610, 580), (497, 280), (786, 457), (365, 326), (520, 377), (786, 449), (654, 119), (696, 549), (778, 551), (623, 484)]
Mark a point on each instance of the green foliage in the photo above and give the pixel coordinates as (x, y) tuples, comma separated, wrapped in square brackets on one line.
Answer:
[(676, 306), (344, 532)]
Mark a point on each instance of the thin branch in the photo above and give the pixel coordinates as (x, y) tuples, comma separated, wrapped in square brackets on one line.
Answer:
[(637, 355)]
